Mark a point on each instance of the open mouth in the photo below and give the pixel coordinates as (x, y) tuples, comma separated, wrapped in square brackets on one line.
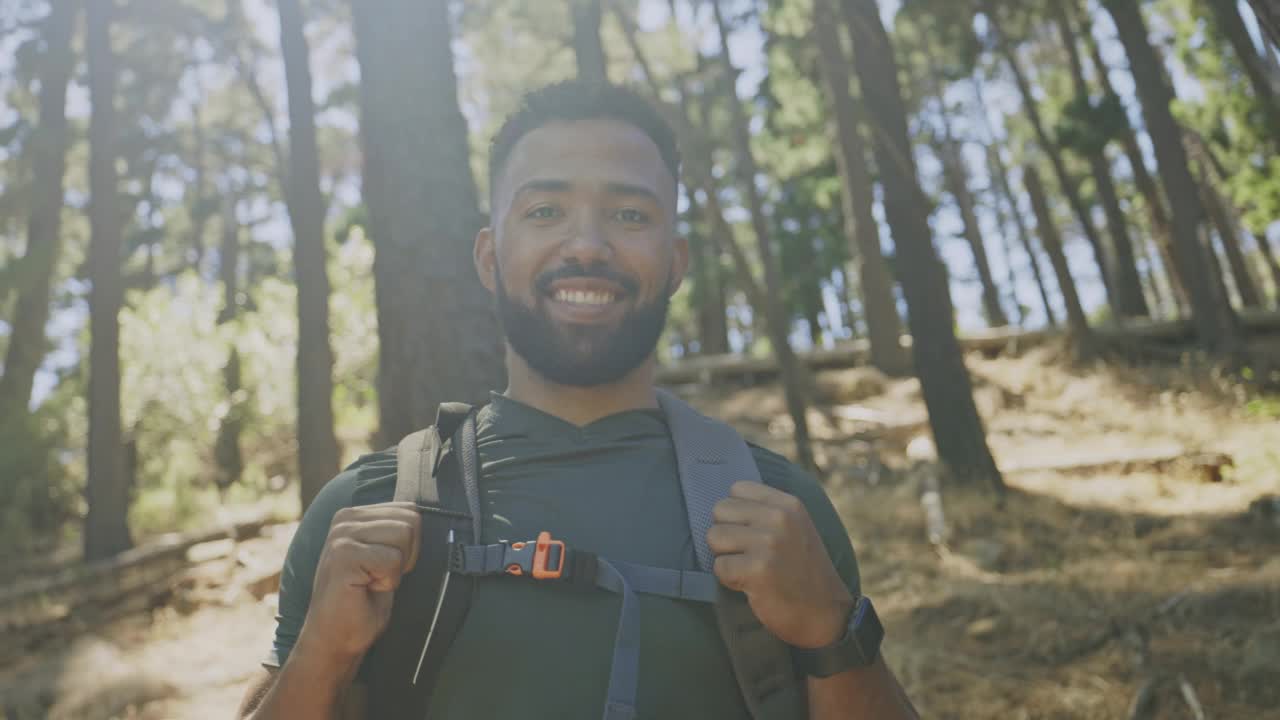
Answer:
[(586, 292), (585, 297)]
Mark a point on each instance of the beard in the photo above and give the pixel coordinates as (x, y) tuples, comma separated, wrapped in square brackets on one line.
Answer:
[(580, 355)]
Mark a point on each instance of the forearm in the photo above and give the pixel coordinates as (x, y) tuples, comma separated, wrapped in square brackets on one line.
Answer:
[(309, 685), (870, 693)]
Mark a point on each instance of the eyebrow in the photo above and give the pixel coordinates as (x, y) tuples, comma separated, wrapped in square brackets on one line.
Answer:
[(554, 185)]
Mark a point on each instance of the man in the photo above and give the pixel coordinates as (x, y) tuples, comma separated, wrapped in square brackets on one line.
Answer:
[(582, 257)]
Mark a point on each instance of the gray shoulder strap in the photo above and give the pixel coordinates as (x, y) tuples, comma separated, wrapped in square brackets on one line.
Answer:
[(415, 452), (711, 457)]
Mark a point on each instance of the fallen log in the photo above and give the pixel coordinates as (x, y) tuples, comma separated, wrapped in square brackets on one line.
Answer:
[(710, 368), (34, 608), (1208, 464)]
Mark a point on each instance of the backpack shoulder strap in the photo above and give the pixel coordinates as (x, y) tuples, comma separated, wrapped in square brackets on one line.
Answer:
[(402, 666), (711, 456)]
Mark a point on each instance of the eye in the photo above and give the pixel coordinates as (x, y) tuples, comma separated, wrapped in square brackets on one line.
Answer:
[(543, 212), (632, 216)]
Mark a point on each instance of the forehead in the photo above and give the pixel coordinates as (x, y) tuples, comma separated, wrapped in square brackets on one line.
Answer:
[(595, 151)]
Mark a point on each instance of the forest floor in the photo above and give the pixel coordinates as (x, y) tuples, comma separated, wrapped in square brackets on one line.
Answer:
[(1136, 576)]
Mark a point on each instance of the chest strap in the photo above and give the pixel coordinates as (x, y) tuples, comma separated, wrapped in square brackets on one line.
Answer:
[(548, 560)]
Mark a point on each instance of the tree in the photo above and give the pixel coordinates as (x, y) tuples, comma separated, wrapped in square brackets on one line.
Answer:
[(317, 445), (48, 151), (1077, 324), (1091, 133), (957, 181), (437, 334), (1212, 316), (775, 318), (593, 64), (1049, 146), (106, 530), (1000, 173), (948, 390), (1268, 14), (884, 327), (1227, 15)]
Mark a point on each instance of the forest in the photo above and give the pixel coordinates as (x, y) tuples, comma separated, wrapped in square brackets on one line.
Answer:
[(1004, 274)]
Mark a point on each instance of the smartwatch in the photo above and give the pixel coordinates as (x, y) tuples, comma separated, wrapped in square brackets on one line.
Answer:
[(858, 647)]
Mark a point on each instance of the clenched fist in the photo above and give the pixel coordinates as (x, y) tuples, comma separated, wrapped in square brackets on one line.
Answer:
[(766, 546), (367, 551)]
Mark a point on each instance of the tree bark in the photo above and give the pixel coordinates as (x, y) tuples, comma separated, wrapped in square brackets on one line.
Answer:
[(1130, 301), (1229, 234), (1227, 15), (1142, 179), (1269, 256), (438, 337), (593, 65), (48, 158), (862, 231), (318, 455), (957, 181), (1049, 146), (1077, 323), (1001, 174), (947, 388), (1215, 321), (713, 323), (106, 530), (1268, 14), (776, 319)]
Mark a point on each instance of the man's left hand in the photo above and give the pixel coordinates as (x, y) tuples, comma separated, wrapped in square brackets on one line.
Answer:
[(766, 546)]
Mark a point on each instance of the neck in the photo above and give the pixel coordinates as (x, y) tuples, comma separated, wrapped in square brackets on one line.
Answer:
[(580, 405)]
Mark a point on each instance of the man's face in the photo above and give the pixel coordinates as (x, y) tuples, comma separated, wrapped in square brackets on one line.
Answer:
[(582, 254)]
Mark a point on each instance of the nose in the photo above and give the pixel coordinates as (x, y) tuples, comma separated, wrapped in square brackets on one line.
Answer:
[(587, 243)]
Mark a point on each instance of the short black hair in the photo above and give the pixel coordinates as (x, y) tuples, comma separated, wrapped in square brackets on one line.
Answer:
[(574, 100)]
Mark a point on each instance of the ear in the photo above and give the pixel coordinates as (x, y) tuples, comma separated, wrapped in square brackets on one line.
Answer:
[(679, 262), (486, 259)]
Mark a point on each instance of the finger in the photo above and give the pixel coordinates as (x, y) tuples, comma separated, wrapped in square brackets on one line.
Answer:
[(375, 567), (762, 493), (733, 571), (737, 511), (727, 539), (399, 533)]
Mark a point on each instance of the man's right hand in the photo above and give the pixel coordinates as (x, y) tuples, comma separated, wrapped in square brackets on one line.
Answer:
[(367, 551)]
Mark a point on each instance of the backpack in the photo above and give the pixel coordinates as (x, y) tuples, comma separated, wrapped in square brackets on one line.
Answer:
[(432, 601)]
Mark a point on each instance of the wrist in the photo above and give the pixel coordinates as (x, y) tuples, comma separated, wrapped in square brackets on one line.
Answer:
[(324, 661), (831, 625)]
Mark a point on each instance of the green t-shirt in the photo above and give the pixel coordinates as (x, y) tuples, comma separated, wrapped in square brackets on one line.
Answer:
[(531, 650)]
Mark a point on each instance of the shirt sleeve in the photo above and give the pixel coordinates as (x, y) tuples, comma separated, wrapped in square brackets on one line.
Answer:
[(350, 487)]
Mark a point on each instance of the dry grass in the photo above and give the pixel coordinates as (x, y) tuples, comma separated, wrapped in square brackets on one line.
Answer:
[(1036, 610)]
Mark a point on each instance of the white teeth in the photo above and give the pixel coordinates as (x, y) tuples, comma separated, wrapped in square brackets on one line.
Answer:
[(584, 297)]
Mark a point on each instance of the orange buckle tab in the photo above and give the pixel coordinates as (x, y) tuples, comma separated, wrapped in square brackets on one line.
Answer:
[(542, 550)]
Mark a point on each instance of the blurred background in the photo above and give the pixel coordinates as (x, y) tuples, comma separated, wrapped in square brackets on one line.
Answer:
[(1004, 274)]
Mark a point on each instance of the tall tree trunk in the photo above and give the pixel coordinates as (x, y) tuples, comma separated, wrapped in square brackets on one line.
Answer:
[(1011, 277), (226, 447), (106, 528), (1229, 233), (1153, 199), (438, 337), (48, 157), (1270, 257), (1226, 13), (948, 390), (1268, 14), (713, 323), (1049, 146), (593, 65), (1077, 323), (957, 181), (880, 311), (1130, 301), (776, 319), (1001, 175), (1212, 316), (317, 446)]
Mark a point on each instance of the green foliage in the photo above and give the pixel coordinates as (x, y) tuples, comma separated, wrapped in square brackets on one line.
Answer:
[(38, 497)]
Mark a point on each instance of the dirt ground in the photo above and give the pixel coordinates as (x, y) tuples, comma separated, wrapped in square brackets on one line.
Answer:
[(1085, 591)]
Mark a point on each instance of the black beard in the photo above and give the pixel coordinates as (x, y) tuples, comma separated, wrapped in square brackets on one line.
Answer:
[(581, 355)]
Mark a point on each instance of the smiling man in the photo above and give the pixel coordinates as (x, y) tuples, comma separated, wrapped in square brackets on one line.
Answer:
[(582, 258)]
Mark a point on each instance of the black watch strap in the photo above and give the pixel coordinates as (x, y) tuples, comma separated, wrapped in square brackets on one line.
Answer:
[(858, 647)]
